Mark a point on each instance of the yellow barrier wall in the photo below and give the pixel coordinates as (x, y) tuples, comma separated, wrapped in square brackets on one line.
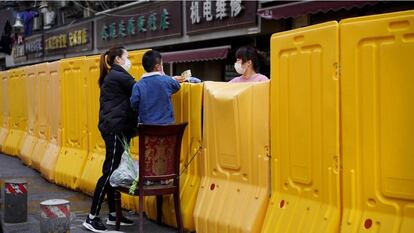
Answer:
[(137, 70), (73, 154), (130, 202), (187, 108), (4, 130), (304, 131), (96, 153), (234, 189), (377, 56), (54, 119), (42, 124), (29, 141), (2, 76), (18, 111), (96, 156)]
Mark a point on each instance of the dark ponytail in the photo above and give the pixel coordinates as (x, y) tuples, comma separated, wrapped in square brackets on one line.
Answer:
[(107, 60)]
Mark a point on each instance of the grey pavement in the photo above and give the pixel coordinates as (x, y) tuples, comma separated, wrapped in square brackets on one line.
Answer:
[(39, 189)]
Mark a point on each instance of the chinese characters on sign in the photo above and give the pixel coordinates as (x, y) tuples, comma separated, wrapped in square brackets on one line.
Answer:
[(75, 38), (195, 13), (78, 37), (34, 46), (19, 48), (126, 28), (56, 42), (235, 8), (19, 52), (205, 11), (71, 39), (146, 21), (143, 23), (207, 15)]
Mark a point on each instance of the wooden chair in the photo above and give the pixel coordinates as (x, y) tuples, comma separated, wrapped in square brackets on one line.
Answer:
[(159, 160)]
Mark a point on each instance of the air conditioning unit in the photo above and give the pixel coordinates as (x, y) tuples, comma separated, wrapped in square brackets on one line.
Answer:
[(61, 3), (37, 23), (48, 15)]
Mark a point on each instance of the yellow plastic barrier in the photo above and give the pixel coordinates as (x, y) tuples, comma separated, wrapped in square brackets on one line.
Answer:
[(377, 123), (29, 141), (304, 129), (234, 189), (4, 130), (53, 93), (42, 108), (18, 111), (96, 154), (137, 70), (130, 202), (187, 108), (73, 154)]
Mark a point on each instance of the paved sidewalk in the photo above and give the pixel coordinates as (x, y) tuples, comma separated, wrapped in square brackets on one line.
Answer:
[(40, 189)]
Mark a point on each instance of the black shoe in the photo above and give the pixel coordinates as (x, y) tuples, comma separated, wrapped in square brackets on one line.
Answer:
[(124, 221), (94, 225)]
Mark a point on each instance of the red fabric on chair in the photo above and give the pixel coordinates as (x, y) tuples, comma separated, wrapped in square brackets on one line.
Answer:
[(159, 162)]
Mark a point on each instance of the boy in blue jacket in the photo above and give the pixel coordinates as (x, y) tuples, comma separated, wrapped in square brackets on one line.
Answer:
[(151, 96)]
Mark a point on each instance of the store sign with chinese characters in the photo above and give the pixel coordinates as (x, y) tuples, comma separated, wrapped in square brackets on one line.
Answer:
[(19, 53), (70, 39), (206, 16), (148, 21), (34, 46)]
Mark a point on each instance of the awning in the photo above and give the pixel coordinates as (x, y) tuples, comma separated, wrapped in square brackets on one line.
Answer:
[(308, 7), (193, 55)]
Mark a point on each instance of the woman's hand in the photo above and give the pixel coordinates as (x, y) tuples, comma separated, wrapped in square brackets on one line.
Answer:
[(179, 79)]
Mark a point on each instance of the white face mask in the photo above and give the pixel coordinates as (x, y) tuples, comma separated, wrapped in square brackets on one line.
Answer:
[(239, 68), (127, 65)]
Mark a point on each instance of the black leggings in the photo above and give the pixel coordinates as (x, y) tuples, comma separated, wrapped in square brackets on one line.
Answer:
[(114, 151)]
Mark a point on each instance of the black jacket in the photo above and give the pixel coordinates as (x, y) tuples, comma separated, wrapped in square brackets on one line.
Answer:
[(115, 112)]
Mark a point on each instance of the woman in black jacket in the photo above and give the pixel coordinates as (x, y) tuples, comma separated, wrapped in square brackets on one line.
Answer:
[(116, 123)]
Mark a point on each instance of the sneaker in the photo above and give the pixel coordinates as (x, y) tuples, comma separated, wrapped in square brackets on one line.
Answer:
[(124, 221), (94, 225)]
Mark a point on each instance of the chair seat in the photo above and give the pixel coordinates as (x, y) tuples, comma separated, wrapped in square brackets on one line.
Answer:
[(154, 189)]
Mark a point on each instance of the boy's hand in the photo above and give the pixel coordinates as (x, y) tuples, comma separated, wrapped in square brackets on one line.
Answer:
[(179, 79)]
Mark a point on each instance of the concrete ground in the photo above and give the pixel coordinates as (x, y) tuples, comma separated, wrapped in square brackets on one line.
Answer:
[(40, 189)]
